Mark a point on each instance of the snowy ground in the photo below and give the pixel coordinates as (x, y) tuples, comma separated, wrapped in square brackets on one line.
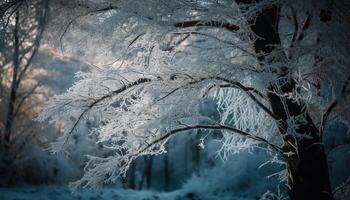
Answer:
[(63, 193)]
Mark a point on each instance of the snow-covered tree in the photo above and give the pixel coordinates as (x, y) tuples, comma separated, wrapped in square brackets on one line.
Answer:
[(277, 70)]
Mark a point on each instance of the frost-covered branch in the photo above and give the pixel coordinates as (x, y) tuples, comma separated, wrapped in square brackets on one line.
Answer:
[(213, 127), (88, 12), (216, 24), (109, 95)]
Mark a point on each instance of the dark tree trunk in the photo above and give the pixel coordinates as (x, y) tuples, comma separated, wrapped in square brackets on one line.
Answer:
[(196, 150), (131, 176), (166, 170), (309, 178), (14, 84), (307, 165), (308, 168), (147, 173)]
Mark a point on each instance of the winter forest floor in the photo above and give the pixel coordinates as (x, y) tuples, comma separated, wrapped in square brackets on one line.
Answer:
[(106, 193)]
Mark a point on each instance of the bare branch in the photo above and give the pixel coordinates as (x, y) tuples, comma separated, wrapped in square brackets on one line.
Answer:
[(296, 28), (26, 96), (26, 67), (306, 25)]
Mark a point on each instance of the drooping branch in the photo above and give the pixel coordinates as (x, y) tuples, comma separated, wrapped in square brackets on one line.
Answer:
[(251, 89), (109, 95), (234, 84), (127, 49), (247, 90), (213, 127)]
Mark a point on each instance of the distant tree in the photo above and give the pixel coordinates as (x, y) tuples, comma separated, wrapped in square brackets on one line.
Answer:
[(22, 25), (277, 70), (167, 175)]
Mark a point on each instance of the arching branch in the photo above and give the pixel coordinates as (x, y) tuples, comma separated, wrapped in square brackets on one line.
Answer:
[(248, 90), (214, 127), (109, 95)]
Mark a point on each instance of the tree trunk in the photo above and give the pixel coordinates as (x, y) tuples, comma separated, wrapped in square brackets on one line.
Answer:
[(131, 176), (14, 85), (147, 172), (307, 162), (166, 170), (308, 168), (308, 174), (196, 150)]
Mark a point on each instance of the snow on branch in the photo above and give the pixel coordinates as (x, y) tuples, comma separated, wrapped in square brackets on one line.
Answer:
[(216, 24), (214, 127)]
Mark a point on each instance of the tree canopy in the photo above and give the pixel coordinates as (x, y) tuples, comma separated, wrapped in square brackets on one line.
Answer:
[(277, 71)]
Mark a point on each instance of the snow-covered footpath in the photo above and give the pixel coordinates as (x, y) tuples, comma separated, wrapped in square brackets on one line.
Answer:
[(107, 193)]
